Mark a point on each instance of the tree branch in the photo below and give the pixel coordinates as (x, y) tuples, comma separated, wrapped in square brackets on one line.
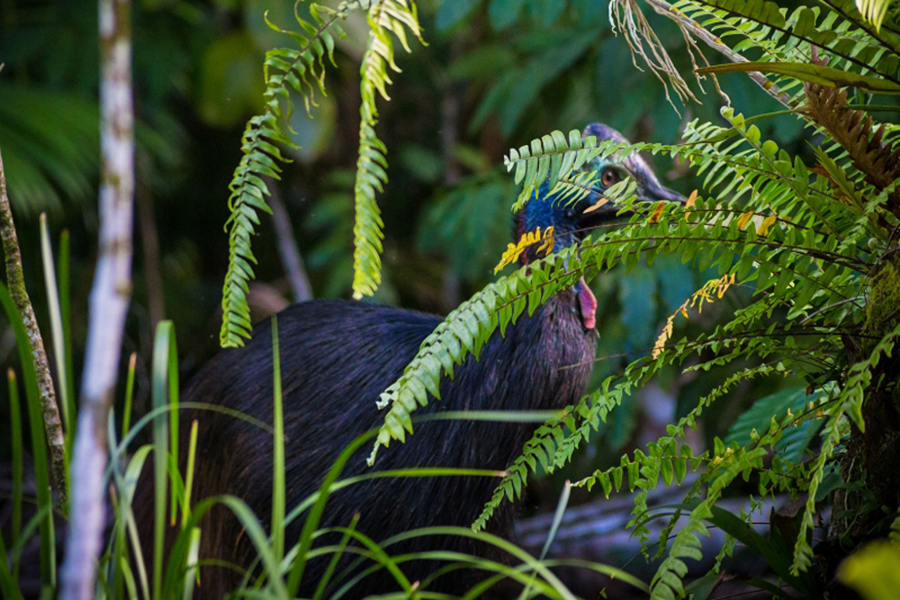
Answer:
[(287, 245)]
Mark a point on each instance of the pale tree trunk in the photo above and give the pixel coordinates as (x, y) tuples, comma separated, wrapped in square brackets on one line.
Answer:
[(108, 302)]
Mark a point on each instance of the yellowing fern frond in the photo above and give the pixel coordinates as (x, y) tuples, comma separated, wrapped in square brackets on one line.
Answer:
[(530, 238), (704, 294), (762, 226), (547, 242), (599, 203), (690, 203), (745, 218), (657, 211)]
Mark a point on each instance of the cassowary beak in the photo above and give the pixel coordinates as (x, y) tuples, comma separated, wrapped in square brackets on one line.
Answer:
[(656, 192), (600, 210)]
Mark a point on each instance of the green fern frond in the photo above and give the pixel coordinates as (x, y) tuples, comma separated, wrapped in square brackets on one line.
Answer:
[(769, 221), (552, 158), (849, 403), (464, 332), (385, 17), (302, 70), (789, 38)]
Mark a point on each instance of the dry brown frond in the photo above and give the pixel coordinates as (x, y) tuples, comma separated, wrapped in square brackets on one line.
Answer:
[(852, 129)]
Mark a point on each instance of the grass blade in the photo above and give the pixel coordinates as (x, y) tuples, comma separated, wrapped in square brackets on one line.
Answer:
[(8, 584), (38, 442), (164, 363), (58, 335), (342, 547), (15, 423), (65, 312), (189, 475), (278, 485), (129, 394), (193, 554)]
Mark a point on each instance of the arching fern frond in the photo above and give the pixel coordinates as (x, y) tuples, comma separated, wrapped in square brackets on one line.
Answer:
[(552, 158), (286, 69), (849, 404), (765, 25), (384, 17)]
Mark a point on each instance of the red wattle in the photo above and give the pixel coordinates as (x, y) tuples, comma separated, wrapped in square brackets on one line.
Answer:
[(588, 305)]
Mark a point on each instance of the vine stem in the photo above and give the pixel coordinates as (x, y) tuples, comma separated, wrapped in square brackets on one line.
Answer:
[(690, 26), (15, 279), (109, 301)]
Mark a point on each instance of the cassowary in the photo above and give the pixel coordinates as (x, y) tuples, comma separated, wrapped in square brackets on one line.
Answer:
[(338, 356)]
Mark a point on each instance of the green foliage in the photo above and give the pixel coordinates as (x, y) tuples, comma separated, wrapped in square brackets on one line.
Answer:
[(787, 37), (803, 232), (41, 166), (806, 240), (44, 517), (553, 158), (302, 71), (385, 17)]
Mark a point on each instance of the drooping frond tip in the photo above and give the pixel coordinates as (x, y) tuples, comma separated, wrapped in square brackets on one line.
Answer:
[(385, 18), (303, 71)]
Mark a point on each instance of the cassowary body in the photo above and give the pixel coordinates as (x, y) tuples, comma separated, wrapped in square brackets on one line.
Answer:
[(337, 357)]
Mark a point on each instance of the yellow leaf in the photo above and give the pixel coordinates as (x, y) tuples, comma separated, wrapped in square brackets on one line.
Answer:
[(594, 207), (745, 218), (766, 224), (514, 251), (547, 243), (692, 200), (657, 211), (660, 344), (704, 294)]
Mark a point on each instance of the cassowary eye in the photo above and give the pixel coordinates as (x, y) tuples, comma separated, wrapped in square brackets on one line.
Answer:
[(609, 176)]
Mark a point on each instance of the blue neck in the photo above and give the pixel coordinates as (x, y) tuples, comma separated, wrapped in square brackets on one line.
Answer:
[(545, 210)]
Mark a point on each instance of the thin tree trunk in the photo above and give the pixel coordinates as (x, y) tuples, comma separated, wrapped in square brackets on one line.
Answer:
[(108, 302), (287, 245), (15, 279), (150, 243)]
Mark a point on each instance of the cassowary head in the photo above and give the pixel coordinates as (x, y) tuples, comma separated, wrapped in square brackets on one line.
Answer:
[(571, 222)]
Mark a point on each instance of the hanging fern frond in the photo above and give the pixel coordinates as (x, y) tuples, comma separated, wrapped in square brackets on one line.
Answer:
[(301, 70), (848, 404), (385, 17)]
